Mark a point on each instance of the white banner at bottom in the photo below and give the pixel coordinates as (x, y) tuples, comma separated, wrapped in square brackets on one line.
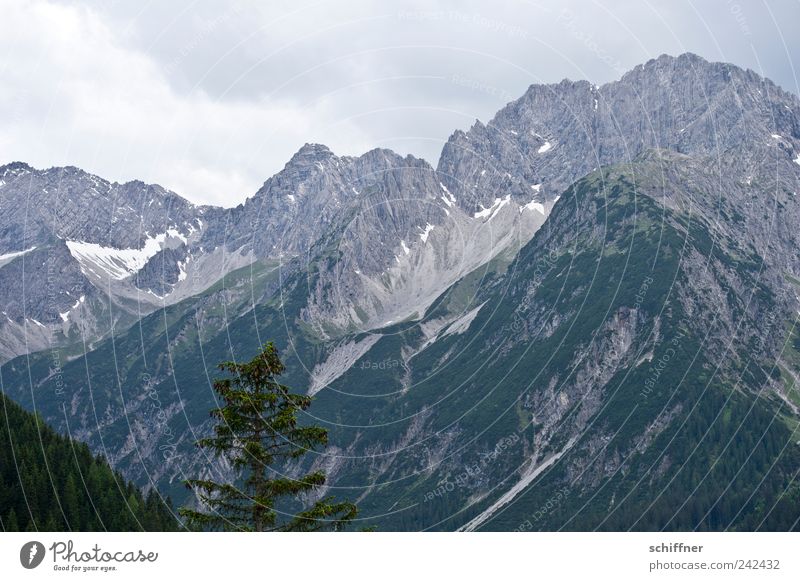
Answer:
[(370, 556)]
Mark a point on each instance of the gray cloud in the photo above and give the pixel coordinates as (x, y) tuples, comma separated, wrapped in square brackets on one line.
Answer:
[(211, 98)]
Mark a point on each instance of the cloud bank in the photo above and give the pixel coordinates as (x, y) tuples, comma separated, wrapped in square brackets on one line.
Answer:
[(209, 99)]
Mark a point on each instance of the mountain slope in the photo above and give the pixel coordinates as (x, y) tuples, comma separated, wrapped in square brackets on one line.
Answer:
[(631, 366), (71, 244), (51, 483), (619, 339), (114, 252)]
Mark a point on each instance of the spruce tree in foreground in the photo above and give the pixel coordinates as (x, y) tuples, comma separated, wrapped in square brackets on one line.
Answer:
[(257, 431)]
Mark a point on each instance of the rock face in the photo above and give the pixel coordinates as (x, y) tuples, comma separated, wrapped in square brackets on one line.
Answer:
[(69, 242), (395, 231), (556, 134), (582, 289), (398, 235)]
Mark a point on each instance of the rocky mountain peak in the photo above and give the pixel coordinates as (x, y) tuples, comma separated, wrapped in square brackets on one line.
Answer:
[(309, 153), (387, 211), (14, 167), (556, 133)]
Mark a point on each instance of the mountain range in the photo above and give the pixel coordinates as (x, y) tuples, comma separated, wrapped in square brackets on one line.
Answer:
[(582, 318)]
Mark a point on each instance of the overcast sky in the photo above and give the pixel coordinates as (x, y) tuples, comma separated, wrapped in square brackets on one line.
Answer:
[(211, 98)]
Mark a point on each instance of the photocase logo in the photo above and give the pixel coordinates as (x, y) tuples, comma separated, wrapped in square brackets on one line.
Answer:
[(31, 554)]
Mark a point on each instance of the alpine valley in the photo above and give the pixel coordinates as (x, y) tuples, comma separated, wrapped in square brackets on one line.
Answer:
[(583, 318)]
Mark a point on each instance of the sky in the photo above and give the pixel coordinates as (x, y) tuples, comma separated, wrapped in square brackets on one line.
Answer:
[(209, 99)]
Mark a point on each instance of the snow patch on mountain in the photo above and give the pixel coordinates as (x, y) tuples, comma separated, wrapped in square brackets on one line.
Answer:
[(492, 210), (424, 235), (448, 198), (65, 316), (534, 205), (118, 263), (6, 258)]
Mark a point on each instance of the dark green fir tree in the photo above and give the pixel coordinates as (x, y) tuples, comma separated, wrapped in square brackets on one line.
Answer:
[(258, 432)]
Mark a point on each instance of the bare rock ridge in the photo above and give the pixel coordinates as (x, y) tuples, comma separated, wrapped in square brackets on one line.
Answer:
[(555, 134), (584, 316), (397, 230)]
